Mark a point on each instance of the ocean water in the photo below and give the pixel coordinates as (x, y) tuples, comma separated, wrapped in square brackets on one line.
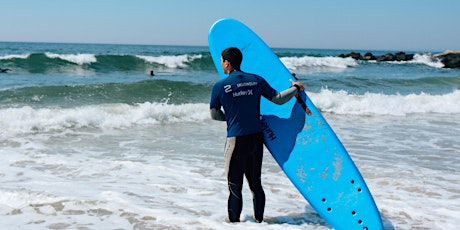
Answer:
[(89, 140)]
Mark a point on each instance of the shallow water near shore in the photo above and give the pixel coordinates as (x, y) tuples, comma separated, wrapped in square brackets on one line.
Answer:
[(98, 144)]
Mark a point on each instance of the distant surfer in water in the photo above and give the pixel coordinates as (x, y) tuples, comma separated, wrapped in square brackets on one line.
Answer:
[(4, 70), (239, 96)]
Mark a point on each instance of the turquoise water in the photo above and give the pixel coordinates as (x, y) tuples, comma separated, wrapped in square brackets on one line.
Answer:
[(89, 139)]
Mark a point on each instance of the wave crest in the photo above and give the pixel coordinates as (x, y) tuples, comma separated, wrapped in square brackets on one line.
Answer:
[(427, 60), (171, 61), (14, 56), (294, 63), (26, 120), (342, 102), (79, 59)]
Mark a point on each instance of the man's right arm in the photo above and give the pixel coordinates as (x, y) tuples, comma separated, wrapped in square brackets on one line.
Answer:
[(286, 95)]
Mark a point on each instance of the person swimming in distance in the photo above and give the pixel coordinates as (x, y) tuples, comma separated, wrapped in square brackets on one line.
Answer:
[(4, 70)]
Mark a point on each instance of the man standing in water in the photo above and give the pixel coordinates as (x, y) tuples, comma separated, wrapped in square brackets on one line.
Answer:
[(239, 94)]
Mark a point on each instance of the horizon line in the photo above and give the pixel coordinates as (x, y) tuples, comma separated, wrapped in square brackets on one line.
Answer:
[(273, 47)]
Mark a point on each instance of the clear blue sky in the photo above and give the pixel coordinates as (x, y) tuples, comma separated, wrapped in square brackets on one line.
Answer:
[(407, 25)]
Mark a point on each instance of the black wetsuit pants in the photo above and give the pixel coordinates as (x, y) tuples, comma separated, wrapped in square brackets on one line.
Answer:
[(243, 156)]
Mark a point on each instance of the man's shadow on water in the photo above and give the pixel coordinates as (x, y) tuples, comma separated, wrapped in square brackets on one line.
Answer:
[(280, 138), (281, 133)]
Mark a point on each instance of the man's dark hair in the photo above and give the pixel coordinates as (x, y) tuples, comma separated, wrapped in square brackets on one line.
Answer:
[(234, 56)]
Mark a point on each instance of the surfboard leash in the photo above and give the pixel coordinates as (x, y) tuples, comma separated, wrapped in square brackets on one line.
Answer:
[(302, 103)]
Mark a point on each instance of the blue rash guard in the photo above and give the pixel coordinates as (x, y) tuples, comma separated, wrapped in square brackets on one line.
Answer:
[(239, 94)]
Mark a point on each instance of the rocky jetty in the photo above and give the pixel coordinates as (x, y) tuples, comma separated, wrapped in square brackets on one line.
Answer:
[(399, 56), (450, 58)]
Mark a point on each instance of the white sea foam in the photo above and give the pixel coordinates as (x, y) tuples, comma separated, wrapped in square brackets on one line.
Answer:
[(79, 59), (171, 177), (118, 116), (342, 102), (171, 61), (421, 58), (294, 63), (13, 56), (427, 60)]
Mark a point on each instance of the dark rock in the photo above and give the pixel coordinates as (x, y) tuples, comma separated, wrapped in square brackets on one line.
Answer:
[(390, 57), (409, 57), (354, 55), (400, 56), (450, 59), (369, 56), (386, 57)]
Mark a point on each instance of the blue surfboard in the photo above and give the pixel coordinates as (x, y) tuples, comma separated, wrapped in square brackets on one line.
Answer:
[(305, 147)]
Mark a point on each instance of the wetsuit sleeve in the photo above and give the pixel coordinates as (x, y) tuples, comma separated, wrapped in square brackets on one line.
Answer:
[(284, 96)]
